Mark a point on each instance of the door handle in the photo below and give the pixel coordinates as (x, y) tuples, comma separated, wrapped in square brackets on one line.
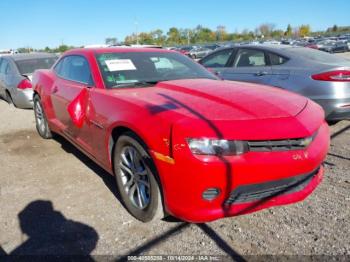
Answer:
[(55, 90), (260, 73)]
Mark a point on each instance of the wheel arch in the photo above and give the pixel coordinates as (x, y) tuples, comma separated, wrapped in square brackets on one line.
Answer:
[(36, 93), (120, 130)]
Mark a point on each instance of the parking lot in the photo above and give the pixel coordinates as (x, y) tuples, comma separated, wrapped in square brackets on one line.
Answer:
[(51, 193)]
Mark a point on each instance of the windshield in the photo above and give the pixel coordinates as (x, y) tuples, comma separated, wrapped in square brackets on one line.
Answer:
[(122, 69), (28, 66)]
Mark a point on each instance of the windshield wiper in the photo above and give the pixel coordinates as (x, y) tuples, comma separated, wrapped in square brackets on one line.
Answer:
[(137, 84)]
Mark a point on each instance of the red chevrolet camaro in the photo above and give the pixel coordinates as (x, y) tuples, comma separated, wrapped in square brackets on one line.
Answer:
[(178, 140)]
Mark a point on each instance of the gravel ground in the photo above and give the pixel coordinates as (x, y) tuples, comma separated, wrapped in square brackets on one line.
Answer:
[(55, 200)]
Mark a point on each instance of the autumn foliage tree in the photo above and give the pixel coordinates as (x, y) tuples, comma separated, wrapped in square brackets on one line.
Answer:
[(304, 30)]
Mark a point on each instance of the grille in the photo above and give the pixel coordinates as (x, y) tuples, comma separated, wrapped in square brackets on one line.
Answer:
[(278, 145), (249, 193)]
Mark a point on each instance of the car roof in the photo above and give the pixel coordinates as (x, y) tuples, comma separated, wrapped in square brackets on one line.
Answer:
[(116, 50), (21, 57), (279, 49), (271, 47)]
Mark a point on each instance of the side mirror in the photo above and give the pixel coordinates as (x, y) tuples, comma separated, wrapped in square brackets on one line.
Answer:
[(217, 73)]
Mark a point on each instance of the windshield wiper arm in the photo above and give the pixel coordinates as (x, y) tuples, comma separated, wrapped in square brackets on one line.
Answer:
[(136, 84)]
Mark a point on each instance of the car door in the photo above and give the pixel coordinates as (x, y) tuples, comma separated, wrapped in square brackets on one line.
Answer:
[(8, 76), (218, 61), (4, 75), (280, 70), (249, 65), (73, 79)]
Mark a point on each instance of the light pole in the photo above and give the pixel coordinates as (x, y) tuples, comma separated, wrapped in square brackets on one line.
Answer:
[(137, 34)]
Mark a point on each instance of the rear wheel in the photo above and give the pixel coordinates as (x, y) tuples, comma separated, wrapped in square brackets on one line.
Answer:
[(9, 98), (40, 119), (136, 180)]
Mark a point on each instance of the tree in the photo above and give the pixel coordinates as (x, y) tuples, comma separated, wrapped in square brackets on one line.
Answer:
[(266, 29), (130, 39), (173, 35), (221, 34), (24, 50), (146, 39), (304, 30), (289, 31), (277, 34), (204, 34), (335, 28), (158, 37), (111, 41), (187, 36), (63, 48)]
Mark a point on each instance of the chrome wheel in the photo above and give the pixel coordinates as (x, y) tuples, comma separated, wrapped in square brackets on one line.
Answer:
[(135, 177), (40, 117)]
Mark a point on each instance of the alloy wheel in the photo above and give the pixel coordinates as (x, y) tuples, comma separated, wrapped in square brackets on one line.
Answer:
[(40, 117), (135, 177)]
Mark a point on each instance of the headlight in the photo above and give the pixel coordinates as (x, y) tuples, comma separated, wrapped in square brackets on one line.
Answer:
[(218, 147), (306, 141)]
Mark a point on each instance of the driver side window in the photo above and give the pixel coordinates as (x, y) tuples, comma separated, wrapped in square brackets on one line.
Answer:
[(218, 59), (74, 68), (4, 66)]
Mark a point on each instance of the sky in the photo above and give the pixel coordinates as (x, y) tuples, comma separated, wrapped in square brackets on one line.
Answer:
[(41, 23)]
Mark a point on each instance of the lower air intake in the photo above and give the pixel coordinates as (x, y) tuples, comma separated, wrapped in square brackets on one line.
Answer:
[(254, 192)]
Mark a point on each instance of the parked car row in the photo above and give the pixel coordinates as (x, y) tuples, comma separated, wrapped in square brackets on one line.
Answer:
[(196, 52), (327, 44)]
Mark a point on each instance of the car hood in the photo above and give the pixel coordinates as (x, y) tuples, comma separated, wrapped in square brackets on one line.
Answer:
[(217, 100)]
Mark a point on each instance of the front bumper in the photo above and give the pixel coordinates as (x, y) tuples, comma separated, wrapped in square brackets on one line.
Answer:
[(185, 180)]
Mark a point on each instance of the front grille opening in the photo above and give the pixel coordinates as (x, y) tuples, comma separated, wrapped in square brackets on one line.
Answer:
[(277, 145), (280, 145), (254, 192)]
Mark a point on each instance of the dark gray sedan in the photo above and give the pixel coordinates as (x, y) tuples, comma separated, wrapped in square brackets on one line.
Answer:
[(16, 75), (333, 47), (322, 77)]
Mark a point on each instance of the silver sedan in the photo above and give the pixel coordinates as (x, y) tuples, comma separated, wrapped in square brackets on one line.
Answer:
[(322, 77), (16, 75)]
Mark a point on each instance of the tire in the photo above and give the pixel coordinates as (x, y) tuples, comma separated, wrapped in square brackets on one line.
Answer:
[(332, 122), (8, 98), (136, 180), (40, 119)]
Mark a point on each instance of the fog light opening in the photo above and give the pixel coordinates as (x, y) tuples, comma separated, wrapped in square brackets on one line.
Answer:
[(210, 194)]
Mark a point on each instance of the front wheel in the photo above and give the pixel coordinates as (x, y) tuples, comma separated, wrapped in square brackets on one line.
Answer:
[(136, 181), (40, 119)]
